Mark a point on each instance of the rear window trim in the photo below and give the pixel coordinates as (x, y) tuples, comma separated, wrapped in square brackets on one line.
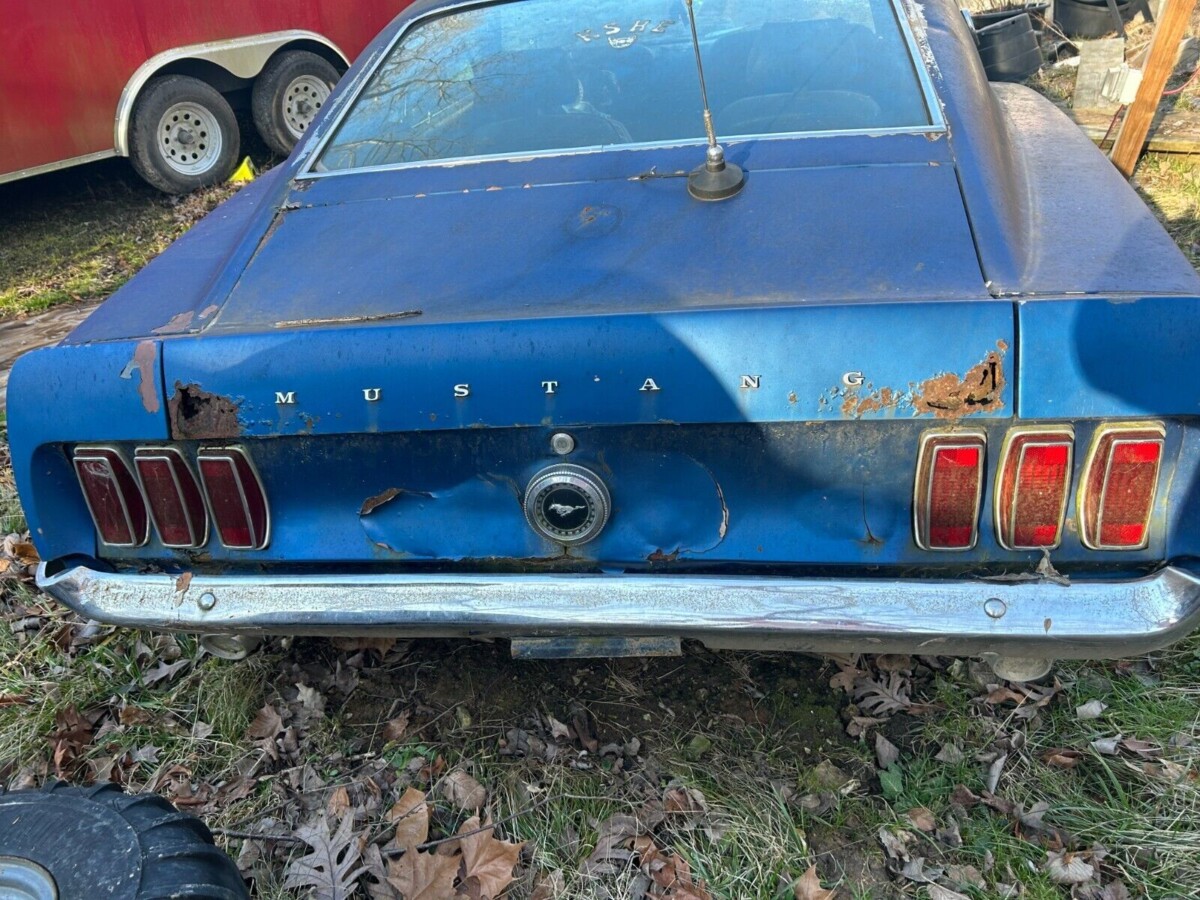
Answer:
[(937, 123)]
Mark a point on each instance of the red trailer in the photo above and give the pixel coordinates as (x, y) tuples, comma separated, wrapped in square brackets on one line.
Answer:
[(160, 82)]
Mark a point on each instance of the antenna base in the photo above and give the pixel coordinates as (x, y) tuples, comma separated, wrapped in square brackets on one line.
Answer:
[(711, 181)]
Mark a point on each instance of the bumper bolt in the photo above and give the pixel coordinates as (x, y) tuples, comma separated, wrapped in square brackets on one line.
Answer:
[(206, 601), (562, 443), (995, 607)]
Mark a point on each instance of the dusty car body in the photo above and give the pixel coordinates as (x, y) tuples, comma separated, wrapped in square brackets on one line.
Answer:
[(925, 384)]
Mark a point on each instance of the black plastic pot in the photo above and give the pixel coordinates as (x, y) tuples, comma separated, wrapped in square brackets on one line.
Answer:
[(1009, 49), (1090, 18), (1037, 13)]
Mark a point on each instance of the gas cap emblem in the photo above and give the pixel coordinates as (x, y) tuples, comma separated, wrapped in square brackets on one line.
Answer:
[(567, 504)]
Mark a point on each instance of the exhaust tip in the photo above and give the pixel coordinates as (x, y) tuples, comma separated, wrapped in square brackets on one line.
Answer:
[(233, 647)]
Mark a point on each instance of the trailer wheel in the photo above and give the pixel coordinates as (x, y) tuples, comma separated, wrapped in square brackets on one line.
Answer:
[(288, 95), (64, 842), (184, 135)]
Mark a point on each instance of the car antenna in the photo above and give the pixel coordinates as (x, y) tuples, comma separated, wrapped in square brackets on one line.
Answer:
[(716, 179)]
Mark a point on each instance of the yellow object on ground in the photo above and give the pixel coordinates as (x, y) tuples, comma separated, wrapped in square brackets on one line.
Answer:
[(245, 172)]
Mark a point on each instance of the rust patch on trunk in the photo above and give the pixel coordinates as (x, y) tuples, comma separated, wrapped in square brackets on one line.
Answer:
[(144, 358), (884, 398), (373, 503), (950, 397), (197, 414), (177, 324), (946, 396)]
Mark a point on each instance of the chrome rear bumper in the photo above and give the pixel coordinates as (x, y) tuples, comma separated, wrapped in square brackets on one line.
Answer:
[(1088, 619)]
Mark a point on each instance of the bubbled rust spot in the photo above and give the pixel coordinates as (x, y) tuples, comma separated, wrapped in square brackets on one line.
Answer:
[(946, 396), (197, 414)]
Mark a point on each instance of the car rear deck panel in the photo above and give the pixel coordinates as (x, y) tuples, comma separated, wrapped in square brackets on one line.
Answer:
[(836, 234)]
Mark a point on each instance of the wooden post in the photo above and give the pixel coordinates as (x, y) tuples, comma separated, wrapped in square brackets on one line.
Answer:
[(1164, 48)]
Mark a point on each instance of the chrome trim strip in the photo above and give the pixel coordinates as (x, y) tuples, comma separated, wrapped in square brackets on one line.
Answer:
[(1066, 435), (1087, 619), (933, 106), (728, 142), (81, 453), (18, 174), (227, 454), (926, 455), (1103, 431), (166, 453), (933, 103), (242, 57)]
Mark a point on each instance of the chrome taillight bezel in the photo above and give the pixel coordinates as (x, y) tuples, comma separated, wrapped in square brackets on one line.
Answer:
[(1066, 435), (101, 453), (1133, 433), (167, 454), (231, 455), (932, 442)]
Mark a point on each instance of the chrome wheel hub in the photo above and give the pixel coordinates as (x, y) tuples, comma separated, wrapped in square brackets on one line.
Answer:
[(189, 138), (302, 101), (23, 879)]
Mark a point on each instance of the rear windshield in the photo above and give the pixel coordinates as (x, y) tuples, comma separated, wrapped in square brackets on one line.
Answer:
[(533, 76)]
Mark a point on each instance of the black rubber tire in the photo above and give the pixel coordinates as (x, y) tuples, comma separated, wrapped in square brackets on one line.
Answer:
[(101, 842), (266, 102), (159, 95)]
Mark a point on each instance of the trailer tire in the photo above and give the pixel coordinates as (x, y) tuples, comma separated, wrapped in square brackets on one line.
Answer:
[(99, 841), (287, 96), (184, 135)]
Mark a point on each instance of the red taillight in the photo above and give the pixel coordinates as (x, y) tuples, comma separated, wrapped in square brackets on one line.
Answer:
[(235, 497), (948, 490), (173, 497), (1119, 487), (112, 496), (1031, 494)]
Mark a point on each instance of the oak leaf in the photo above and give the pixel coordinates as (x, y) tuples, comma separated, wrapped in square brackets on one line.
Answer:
[(332, 869), (808, 887)]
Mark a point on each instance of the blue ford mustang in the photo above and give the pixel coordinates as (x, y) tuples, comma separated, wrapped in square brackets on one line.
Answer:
[(908, 367)]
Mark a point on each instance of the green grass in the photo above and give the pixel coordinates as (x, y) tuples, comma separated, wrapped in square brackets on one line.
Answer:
[(101, 226)]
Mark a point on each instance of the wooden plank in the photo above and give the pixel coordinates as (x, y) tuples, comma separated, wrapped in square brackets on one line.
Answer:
[(1173, 130), (1160, 62)]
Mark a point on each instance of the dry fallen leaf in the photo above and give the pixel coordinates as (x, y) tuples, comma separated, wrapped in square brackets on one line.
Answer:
[(464, 791), (488, 862), (886, 752), (670, 872), (808, 887), (937, 892), (394, 730), (1093, 709), (424, 876), (411, 817), (882, 697), (1064, 867), (339, 803), (266, 724), (922, 818), (1062, 758), (331, 870)]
